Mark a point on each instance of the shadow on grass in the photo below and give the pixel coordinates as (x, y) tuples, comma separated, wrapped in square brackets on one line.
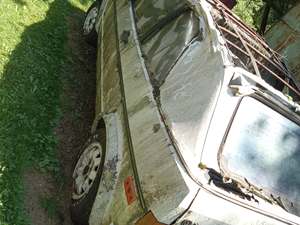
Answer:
[(30, 90)]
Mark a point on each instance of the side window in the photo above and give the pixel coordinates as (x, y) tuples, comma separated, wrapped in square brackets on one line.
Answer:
[(165, 27), (149, 12)]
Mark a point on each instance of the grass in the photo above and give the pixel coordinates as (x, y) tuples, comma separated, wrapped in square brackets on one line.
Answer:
[(33, 34)]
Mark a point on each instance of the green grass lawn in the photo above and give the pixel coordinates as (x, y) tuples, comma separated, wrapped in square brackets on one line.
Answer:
[(32, 40)]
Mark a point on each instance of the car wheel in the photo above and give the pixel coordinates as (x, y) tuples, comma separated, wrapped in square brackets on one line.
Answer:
[(89, 25), (86, 179)]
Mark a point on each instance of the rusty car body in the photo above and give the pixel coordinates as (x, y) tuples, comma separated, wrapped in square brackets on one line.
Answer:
[(198, 114)]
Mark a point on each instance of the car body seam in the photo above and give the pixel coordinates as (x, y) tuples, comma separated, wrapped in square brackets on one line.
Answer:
[(126, 120)]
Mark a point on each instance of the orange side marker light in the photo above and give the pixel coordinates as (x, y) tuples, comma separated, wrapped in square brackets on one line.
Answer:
[(129, 190)]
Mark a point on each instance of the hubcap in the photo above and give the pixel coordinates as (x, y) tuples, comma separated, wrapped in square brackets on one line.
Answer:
[(90, 21), (86, 170)]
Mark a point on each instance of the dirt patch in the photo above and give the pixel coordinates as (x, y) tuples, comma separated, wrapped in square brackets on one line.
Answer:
[(79, 94), (78, 103), (38, 189)]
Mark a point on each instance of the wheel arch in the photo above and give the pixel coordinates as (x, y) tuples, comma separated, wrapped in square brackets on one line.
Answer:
[(112, 164)]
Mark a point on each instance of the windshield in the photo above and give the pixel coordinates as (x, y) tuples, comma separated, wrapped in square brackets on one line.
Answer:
[(264, 147)]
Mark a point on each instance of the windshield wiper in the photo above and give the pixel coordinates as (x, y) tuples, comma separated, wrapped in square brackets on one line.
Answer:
[(247, 190), (284, 203), (279, 202), (231, 186)]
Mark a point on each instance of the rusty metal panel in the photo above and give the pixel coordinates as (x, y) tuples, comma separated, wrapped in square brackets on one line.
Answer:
[(284, 37)]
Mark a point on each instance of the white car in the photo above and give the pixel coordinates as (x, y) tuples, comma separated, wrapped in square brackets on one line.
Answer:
[(196, 120)]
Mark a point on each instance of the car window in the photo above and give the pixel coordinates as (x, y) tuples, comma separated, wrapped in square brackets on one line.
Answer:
[(149, 12), (165, 29), (263, 146)]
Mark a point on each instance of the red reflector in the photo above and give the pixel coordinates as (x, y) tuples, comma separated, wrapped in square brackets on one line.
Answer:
[(129, 190)]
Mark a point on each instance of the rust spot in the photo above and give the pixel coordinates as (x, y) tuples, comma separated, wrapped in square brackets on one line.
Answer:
[(139, 106), (125, 36), (156, 127)]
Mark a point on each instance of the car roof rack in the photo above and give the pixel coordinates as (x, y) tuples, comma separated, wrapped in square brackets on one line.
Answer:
[(252, 51)]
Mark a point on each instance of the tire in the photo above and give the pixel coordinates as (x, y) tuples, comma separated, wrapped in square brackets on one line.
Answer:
[(89, 29), (82, 203)]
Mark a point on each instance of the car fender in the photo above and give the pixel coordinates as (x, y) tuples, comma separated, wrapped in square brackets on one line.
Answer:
[(112, 164)]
